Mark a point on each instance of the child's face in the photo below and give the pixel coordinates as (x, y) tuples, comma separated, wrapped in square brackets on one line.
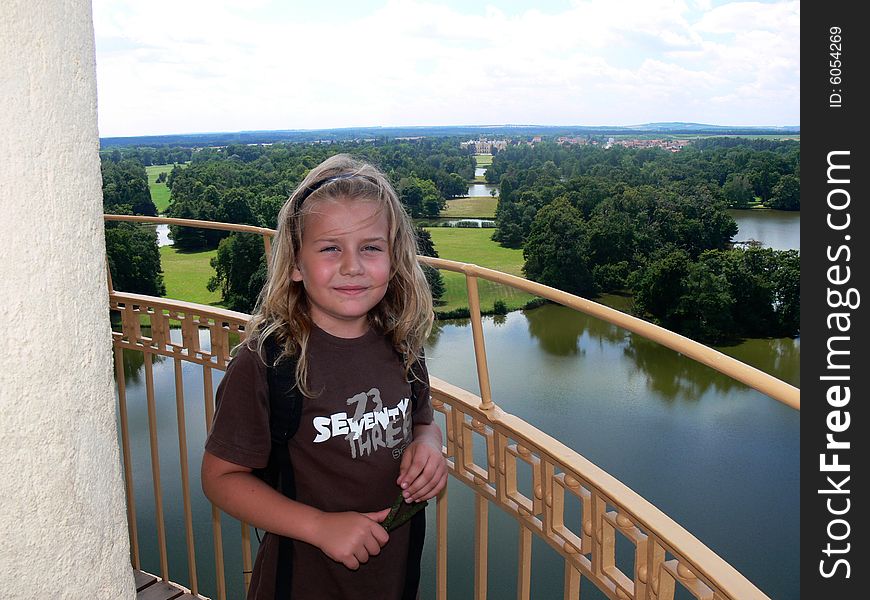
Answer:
[(344, 264)]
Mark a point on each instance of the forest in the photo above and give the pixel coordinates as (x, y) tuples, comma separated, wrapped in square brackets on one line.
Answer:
[(654, 224), (590, 219)]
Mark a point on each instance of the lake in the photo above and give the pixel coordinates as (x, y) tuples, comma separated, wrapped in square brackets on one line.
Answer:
[(777, 229)]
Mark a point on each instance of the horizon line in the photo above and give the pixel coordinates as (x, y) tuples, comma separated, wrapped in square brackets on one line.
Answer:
[(467, 126)]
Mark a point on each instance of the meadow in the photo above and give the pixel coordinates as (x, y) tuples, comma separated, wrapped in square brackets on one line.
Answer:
[(473, 206), (186, 275), (483, 160), (159, 191), (475, 246)]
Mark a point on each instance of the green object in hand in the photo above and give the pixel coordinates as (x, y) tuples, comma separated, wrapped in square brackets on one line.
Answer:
[(397, 517)]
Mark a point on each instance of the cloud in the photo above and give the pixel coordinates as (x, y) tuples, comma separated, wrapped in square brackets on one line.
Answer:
[(167, 67)]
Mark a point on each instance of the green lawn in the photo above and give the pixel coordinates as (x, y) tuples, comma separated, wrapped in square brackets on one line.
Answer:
[(186, 275), (475, 246), (483, 160), (474, 206), (159, 191)]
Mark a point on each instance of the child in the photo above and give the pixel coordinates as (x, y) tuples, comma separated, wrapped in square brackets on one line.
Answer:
[(346, 297)]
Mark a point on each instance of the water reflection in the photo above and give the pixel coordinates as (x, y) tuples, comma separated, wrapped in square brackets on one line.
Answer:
[(673, 377), (558, 330)]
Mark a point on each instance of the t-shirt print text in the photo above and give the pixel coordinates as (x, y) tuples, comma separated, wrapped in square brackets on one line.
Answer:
[(368, 429)]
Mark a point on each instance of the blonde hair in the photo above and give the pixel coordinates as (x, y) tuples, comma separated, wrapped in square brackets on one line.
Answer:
[(405, 313)]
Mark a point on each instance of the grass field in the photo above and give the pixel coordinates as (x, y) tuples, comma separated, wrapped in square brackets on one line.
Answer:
[(475, 246), (186, 275), (474, 206), (159, 191), (483, 160)]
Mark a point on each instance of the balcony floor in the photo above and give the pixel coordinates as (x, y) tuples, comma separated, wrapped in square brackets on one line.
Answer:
[(149, 587)]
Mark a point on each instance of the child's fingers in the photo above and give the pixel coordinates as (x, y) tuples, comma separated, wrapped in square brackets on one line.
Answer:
[(373, 545), (378, 516), (430, 482), (431, 489), (413, 463), (425, 462), (405, 465)]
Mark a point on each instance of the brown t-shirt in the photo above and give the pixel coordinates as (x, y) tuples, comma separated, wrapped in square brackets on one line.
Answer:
[(345, 454)]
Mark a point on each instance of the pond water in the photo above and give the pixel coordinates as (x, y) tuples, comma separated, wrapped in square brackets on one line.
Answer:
[(481, 189), (163, 238), (777, 229)]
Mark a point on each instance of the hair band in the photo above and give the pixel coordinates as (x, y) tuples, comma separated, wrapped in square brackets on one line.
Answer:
[(318, 185)]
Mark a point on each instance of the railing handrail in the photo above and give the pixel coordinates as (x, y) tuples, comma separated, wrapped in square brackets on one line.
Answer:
[(191, 223), (755, 378)]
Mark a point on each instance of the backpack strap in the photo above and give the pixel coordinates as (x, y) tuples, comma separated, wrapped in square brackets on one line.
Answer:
[(285, 412), (418, 521)]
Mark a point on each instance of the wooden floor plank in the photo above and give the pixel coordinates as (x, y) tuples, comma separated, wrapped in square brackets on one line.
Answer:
[(143, 580), (159, 591), (151, 587)]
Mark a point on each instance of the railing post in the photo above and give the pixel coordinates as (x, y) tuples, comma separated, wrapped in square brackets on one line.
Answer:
[(128, 460), (267, 245), (155, 466), (441, 546), (185, 476), (479, 346)]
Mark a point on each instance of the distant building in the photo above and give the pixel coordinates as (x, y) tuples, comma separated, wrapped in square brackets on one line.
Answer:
[(484, 146), (670, 145), (564, 140)]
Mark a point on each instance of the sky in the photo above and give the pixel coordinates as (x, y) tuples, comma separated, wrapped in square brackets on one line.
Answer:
[(193, 66)]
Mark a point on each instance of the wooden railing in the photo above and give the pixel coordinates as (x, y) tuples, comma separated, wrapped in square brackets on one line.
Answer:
[(665, 555)]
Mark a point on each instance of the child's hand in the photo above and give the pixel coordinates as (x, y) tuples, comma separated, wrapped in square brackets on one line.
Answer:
[(351, 537), (423, 473)]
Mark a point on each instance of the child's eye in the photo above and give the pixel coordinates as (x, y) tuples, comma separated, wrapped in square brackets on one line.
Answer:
[(329, 249), (372, 249)]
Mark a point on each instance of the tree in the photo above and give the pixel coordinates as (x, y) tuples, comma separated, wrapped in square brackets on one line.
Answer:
[(454, 186), (420, 197), (787, 193), (786, 282), (238, 264), (125, 183), (658, 286), (724, 295), (131, 249), (134, 259), (556, 251), (426, 247), (738, 191)]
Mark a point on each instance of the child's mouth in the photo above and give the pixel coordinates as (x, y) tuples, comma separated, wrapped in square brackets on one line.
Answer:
[(351, 290)]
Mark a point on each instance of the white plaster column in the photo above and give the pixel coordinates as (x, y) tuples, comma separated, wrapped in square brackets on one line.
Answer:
[(63, 530)]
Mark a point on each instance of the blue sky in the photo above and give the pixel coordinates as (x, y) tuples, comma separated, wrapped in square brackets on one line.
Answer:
[(229, 65)]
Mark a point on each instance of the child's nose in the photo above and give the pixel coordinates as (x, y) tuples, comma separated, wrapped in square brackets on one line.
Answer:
[(351, 264)]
